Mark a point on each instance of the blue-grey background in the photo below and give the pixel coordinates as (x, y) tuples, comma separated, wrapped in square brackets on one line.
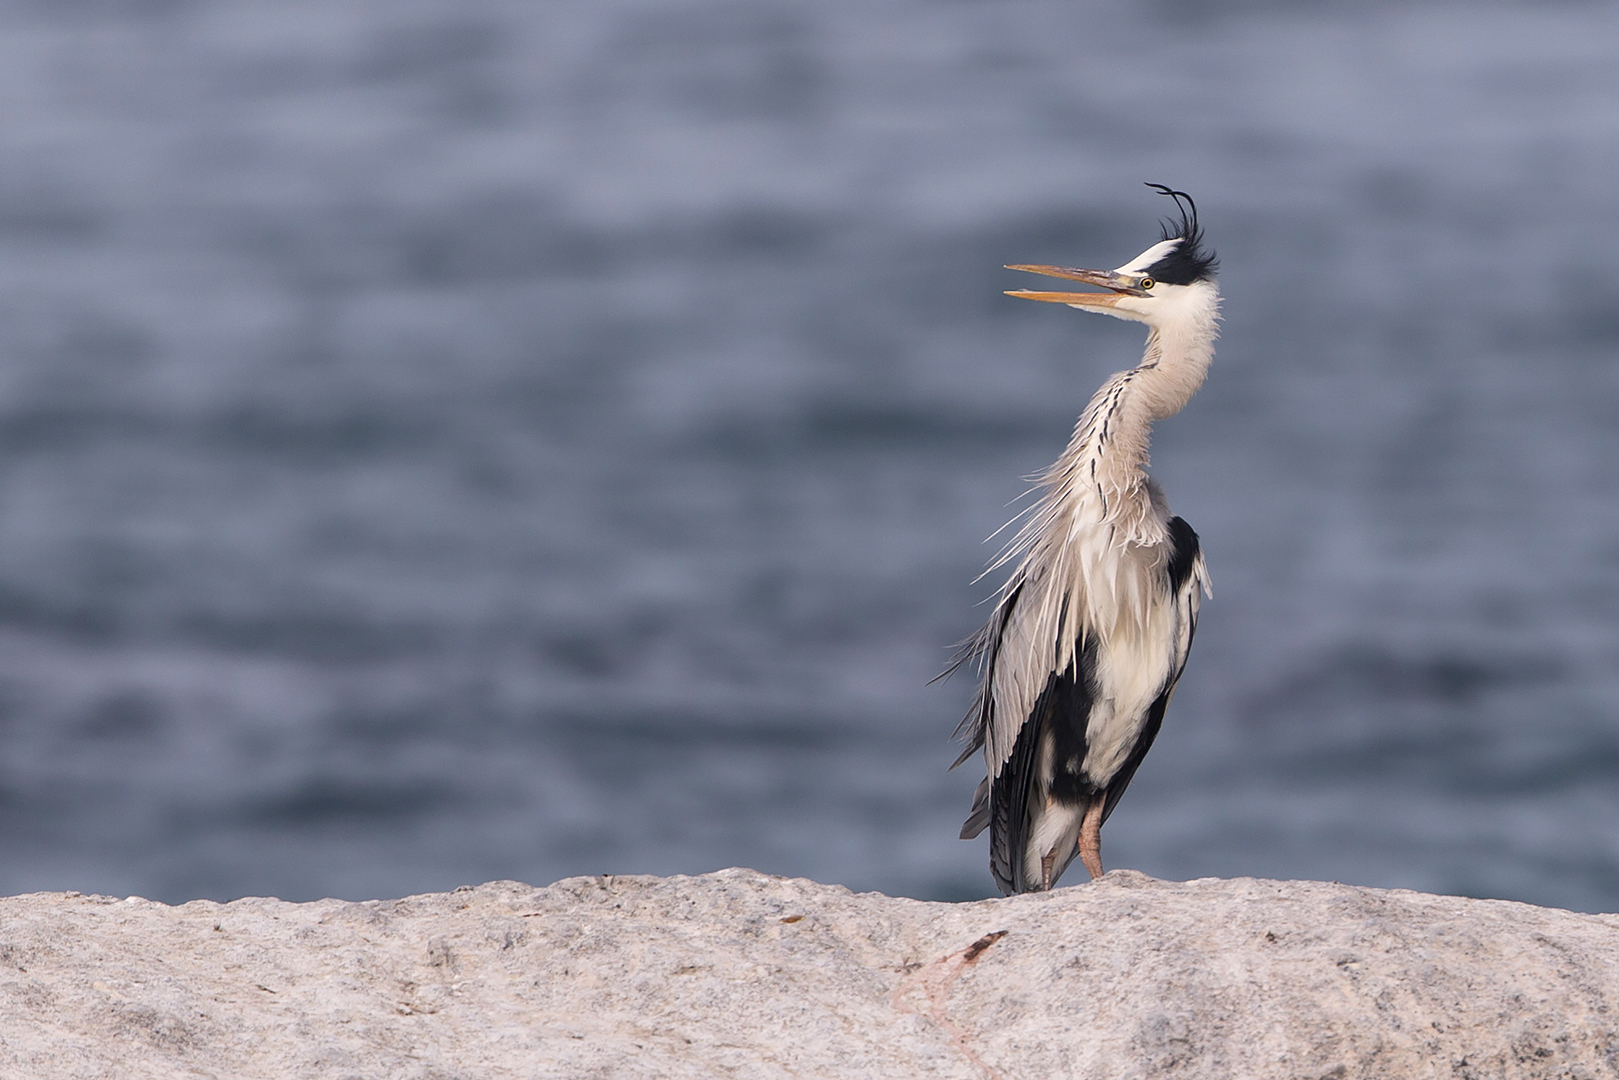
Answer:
[(464, 439)]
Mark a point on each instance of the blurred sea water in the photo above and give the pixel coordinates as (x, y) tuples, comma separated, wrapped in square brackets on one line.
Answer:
[(452, 441)]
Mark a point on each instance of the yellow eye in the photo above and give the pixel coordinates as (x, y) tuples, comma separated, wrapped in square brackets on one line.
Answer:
[(1147, 283)]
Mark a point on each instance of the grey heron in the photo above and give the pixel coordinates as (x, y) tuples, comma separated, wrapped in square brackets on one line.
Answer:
[(1091, 631)]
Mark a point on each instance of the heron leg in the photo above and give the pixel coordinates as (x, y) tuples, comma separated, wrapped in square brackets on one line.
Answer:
[(1090, 835)]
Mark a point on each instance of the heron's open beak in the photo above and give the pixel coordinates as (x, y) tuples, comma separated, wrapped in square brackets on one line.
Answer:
[(1119, 286)]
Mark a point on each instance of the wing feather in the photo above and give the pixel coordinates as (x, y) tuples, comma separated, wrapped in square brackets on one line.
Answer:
[(1009, 811), (978, 819)]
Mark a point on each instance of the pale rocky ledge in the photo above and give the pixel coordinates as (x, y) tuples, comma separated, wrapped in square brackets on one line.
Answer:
[(738, 974)]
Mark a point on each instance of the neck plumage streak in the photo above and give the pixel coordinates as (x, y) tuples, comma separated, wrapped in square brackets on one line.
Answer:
[(1092, 629)]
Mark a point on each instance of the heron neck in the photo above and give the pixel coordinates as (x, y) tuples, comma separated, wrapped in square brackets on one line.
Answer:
[(1109, 451), (1173, 368)]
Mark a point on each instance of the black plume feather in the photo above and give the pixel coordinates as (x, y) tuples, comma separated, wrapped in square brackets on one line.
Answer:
[(1188, 262)]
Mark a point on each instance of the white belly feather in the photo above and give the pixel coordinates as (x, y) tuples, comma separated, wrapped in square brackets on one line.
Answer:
[(1132, 666)]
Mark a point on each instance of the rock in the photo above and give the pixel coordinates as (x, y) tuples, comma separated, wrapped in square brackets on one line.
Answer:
[(742, 974)]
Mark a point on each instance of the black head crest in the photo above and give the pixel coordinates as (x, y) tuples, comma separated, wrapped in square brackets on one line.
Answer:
[(1188, 262)]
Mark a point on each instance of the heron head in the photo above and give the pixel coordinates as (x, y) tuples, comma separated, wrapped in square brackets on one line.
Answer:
[(1169, 281)]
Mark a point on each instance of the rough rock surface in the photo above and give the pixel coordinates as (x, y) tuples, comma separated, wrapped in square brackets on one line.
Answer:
[(742, 974)]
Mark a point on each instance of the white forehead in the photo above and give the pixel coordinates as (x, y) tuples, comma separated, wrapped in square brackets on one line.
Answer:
[(1148, 257)]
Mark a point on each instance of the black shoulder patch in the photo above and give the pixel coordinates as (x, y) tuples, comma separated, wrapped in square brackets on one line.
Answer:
[(1183, 549)]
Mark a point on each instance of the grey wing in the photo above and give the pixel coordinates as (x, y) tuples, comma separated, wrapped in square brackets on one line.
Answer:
[(1008, 810), (984, 647)]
